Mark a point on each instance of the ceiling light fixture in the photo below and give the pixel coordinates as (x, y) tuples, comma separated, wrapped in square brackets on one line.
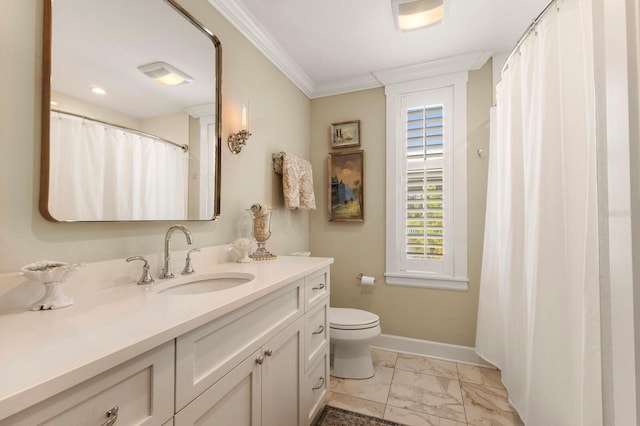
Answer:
[(414, 14), (165, 74), (98, 90)]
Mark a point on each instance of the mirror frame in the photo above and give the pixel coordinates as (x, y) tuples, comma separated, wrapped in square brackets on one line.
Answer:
[(46, 114)]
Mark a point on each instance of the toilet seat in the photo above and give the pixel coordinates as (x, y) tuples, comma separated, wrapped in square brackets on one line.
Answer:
[(352, 319)]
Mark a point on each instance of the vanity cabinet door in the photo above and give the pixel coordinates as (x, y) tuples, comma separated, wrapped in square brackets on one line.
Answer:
[(206, 354), (141, 388), (264, 390), (233, 400), (282, 371)]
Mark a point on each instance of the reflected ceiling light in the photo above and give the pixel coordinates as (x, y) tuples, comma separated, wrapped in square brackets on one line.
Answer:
[(98, 90), (414, 14), (165, 74), (53, 103)]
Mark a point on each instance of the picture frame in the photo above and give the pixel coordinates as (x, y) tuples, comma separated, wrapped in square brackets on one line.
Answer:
[(345, 186), (345, 134)]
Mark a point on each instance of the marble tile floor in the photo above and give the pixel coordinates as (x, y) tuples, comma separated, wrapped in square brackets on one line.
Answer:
[(419, 391)]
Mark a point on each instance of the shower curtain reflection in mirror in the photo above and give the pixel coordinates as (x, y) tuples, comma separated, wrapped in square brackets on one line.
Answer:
[(105, 173)]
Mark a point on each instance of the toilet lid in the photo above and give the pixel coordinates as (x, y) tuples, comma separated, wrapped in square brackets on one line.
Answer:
[(347, 318)]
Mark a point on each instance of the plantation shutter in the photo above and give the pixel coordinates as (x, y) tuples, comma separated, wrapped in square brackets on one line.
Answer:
[(427, 183), (425, 212)]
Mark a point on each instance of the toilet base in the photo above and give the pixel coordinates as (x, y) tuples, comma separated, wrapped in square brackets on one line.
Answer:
[(351, 361)]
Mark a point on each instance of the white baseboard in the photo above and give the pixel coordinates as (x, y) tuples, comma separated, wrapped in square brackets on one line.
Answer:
[(445, 351)]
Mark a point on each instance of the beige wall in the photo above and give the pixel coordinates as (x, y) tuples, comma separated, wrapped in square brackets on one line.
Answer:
[(77, 106), (436, 315), (279, 118), (173, 127)]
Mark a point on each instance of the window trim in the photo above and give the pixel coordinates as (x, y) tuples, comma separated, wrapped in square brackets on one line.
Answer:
[(457, 278)]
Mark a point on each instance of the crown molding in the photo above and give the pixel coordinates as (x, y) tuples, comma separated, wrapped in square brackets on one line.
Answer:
[(244, 22), (203, 110), (450, 65), (249, 27), (338, 87)]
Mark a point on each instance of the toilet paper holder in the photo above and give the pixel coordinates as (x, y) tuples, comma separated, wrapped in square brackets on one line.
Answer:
[(359, 277)]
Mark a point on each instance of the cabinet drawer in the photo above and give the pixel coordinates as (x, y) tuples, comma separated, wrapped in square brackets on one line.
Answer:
[(316, 288), (315, 387), (209, 352), (316, 331), (141, 388)]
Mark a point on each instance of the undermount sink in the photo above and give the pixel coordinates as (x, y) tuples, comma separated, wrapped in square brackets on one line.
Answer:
[(207, 283)]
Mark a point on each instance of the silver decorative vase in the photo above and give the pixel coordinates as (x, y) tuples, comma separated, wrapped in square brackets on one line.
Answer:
[(261, 231)]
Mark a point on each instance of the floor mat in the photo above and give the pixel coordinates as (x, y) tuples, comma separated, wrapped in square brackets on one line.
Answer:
[(332, 416)]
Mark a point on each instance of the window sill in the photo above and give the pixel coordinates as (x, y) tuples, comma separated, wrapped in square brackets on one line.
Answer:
[(436, 281)]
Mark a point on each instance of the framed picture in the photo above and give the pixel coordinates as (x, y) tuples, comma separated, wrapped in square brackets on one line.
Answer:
[(345, 134), (346, 186)]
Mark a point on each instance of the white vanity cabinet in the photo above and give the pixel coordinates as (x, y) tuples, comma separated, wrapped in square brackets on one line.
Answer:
[(265, 364), (261, 361), (141, 389)]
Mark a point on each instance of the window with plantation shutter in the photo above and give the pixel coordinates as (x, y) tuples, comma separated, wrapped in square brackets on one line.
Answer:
[(426, 183), (425, 209)]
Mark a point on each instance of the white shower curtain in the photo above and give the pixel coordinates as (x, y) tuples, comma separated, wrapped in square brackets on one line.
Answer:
[(103, 173), (538, 315)]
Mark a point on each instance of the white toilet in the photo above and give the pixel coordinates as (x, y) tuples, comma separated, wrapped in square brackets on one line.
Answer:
[(351, 332)]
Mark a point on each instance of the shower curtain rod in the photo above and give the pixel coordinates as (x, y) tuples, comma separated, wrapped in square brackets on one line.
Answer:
[(527, 32), (184, 148)]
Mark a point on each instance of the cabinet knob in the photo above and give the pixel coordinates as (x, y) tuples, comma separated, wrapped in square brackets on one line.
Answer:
[(320, 385), (318, 287), (112, 416), (260, 360), (268, 352), (319, 330)]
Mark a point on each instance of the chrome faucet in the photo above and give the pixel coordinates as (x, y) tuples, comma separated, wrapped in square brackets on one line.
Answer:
[(166, 270)]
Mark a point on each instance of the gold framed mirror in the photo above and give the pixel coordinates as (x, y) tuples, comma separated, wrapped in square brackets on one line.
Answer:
[(131, 113)]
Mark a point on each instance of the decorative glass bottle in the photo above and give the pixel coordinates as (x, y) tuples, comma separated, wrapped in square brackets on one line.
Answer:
[(261, 231)]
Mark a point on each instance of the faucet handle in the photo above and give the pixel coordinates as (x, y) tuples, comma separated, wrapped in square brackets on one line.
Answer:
[(145, 278), (188, 268)]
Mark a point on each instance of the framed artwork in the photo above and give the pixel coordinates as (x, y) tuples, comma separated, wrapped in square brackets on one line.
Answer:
[(345, 134), (346, 186)]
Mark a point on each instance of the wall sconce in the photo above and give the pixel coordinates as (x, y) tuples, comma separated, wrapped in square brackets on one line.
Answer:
[(237, 140)]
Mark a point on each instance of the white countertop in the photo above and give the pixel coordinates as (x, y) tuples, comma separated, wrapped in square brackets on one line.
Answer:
[(45, 352)]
